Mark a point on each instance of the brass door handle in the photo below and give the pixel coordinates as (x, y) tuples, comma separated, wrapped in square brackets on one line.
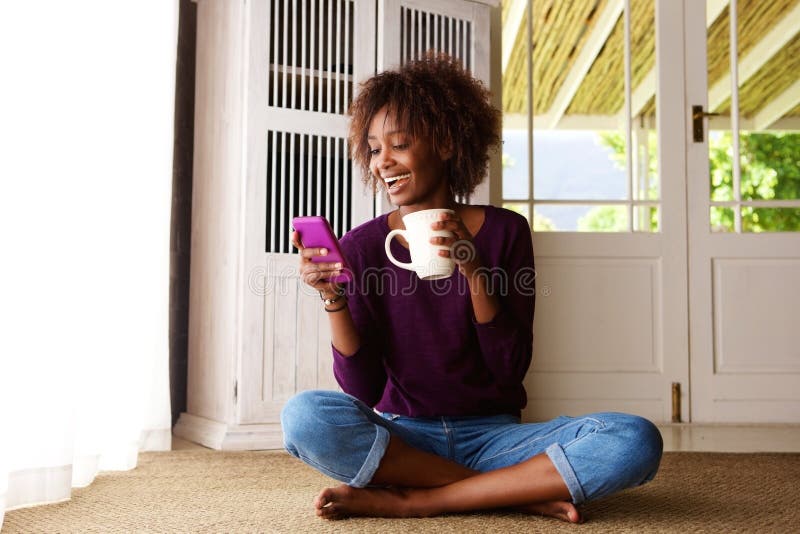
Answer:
[(697, 123), (701, 114)]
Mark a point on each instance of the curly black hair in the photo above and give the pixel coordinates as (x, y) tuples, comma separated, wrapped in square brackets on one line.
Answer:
[(432, 98)]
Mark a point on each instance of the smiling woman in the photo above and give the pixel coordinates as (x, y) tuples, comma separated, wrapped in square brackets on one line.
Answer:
[(408, 166), (86, 140), (432, 375), (436, 101)]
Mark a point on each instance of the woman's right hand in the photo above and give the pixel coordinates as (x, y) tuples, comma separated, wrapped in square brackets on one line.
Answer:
[(316, 274)]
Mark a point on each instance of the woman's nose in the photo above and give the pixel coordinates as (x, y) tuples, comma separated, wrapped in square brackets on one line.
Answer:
[(384, 160)]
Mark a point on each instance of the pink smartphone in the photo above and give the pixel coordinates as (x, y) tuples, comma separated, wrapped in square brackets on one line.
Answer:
[(316, 231)]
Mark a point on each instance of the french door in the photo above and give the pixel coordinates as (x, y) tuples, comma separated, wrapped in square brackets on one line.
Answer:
[(676, 294), (611, 311), (744, 219)]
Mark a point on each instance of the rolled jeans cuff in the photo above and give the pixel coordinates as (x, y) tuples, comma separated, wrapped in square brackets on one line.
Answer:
[(373, 459), (559, 459)]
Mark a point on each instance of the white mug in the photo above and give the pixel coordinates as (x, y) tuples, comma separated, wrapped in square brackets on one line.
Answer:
[(425, 259)]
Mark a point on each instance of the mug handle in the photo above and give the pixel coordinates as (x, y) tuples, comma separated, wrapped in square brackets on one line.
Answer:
[(387, 243)]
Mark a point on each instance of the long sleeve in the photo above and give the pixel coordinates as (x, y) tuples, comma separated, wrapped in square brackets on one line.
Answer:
[(362, 374), (421, 353), (506, 341)]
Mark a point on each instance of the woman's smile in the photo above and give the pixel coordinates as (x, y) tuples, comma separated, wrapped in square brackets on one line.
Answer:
[(395, 183), (411, 170)]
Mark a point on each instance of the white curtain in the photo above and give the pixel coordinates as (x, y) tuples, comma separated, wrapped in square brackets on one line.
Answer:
[(86, 136)]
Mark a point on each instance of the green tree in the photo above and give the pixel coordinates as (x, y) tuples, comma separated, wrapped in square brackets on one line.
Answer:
[(542, 223), (604, 219), (770, 169)]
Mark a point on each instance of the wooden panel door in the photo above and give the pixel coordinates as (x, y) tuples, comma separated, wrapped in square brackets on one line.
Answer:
[(610, 328), (306, 58), (744, 232)]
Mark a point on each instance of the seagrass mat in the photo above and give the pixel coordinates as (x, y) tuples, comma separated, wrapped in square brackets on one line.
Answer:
[(209, 491)]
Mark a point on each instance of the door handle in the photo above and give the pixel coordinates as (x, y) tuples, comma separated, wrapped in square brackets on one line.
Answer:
[(697, 123)]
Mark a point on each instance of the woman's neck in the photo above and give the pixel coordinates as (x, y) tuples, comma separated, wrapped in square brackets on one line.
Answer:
[(396, 217), (440, 201), (405, 210)]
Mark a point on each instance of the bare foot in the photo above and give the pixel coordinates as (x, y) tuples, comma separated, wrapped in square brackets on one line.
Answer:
[(344, 501), (563, 510)]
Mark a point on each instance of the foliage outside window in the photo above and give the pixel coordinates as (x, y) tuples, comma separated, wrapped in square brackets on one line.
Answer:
[(770, 170)]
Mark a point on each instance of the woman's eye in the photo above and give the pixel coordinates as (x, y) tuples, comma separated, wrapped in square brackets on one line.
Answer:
[(374, 151), (402, 146)]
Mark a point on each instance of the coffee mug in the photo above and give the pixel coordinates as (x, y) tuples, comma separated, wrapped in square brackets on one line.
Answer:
[(425, 259)]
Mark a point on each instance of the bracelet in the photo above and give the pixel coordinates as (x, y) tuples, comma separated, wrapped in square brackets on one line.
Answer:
[(340, 308), (328, 302)]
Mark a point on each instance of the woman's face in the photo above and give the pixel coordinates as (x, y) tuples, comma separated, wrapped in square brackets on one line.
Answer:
[(409, 169)]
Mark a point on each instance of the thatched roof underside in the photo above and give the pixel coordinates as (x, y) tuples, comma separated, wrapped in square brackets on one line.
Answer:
[(562, 27), (603, 89), (774, 78)]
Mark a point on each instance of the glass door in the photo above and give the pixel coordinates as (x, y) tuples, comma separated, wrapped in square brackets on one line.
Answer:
[(594, 156), (743, 87)]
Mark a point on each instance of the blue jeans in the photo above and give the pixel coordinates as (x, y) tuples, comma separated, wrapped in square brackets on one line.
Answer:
[(596, 455)]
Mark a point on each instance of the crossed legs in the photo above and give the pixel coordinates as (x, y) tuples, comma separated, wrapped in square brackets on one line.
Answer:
[(391, 470), (421, 484)]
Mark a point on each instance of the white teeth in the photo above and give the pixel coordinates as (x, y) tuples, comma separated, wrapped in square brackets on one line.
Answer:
[(393, 179)]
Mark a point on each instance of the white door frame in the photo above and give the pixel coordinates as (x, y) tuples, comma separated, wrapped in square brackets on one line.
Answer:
[(735, 281), (611, 317)]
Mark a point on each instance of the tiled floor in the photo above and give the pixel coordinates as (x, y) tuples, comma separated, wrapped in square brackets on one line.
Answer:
[(731, 438), (692, 437)]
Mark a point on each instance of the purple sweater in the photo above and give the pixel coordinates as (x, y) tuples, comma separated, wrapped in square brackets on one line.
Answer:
[(422, 353)]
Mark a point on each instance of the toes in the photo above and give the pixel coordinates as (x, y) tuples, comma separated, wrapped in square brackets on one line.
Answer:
[(571, 514), (329, 512), (323, 499)]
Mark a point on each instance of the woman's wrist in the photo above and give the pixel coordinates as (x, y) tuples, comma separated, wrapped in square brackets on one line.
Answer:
[(470, 269), (333, 302), (331, 295), (341, 304)]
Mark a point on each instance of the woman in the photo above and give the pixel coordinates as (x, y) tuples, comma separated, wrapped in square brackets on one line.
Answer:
[(432, 371)]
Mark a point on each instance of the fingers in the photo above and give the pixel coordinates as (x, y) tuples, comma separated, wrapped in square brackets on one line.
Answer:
[(308, 253), (452, 223), (296, 240), (443, 241), (315, 274), (460, 249)]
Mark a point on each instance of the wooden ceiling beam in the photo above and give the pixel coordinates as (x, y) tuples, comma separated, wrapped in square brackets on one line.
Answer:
[(516, 12), (723, 123), (588, 53), (647, 87), (780, 34), (777, 107)]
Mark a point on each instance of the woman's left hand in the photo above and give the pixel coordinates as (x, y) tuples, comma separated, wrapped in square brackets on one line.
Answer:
[(460, 247)]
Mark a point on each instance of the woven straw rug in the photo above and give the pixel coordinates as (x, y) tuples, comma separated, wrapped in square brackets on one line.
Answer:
[(207, 491)]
